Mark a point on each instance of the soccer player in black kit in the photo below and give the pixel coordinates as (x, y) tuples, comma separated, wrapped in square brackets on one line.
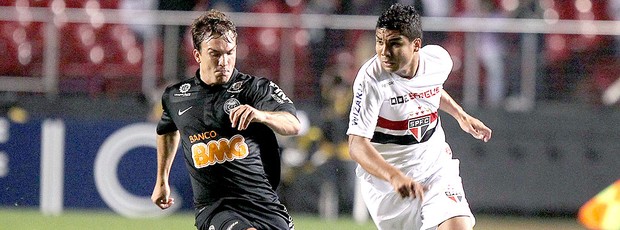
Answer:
[(225, 121)]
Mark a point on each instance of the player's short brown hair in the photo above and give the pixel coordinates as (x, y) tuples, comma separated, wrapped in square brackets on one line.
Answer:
[(211, 23)]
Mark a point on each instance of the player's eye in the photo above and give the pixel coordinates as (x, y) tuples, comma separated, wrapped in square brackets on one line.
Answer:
[(214, 54)]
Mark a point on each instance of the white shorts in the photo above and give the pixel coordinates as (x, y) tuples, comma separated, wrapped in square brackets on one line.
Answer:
[(444, 199)]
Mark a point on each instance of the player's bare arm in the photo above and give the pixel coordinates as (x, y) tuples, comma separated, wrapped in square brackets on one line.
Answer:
[(468, 123), (167, 145), (369, 158), (280, 122)]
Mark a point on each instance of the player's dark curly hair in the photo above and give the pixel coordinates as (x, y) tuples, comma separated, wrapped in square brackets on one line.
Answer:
[(402, 18), (211, 23)]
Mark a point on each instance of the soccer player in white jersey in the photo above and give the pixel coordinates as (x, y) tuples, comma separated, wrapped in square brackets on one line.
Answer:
[(409, 179)]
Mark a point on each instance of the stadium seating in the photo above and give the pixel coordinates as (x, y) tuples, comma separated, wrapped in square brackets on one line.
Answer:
[(122, 65), (91, 57), (8, 49), (577, 64), (263, 45), (98, 59), (22, 48)]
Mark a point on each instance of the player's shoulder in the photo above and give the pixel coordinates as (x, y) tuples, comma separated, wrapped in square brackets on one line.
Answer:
[(436, 52), (244, 80), (181, 86), (371, 70), (183, 90), (241, 76), (436, 57)]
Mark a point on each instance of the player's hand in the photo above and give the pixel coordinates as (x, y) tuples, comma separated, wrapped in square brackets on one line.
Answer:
[(242, 115), (476, 128), (407, 187), (161, 196)]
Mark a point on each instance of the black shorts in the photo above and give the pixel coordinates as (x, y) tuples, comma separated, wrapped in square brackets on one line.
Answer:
[(224, 219)]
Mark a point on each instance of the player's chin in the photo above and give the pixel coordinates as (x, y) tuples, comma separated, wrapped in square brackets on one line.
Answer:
[(222, 77)]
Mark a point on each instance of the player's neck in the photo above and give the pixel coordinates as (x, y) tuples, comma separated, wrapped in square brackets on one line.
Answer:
[(412, 69)]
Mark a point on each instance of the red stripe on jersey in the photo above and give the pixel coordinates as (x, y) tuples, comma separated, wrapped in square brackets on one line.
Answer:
[(393, 125)]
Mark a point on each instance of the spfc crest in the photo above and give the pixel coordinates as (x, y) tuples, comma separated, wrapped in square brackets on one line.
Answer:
[(453, 194), (419, 125)]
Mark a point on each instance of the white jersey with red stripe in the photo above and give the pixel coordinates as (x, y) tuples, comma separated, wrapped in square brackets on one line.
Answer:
[(400, 116)]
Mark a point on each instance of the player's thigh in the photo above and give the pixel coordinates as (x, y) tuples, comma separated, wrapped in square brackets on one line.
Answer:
[(446, 201), (390, 211), (456, 223), (226, 220)]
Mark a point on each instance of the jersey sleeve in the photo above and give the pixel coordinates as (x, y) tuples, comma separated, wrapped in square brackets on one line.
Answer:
[(166, 124), (267, 96), (365, 106)]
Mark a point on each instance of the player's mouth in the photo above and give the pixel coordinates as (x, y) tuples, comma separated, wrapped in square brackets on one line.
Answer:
[(221, 71), (388, 64)]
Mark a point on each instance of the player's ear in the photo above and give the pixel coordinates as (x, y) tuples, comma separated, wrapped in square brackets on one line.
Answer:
[(196, 55), (417, 44)]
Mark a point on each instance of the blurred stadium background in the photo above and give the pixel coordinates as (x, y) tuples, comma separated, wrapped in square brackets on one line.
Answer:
[(80, 82)]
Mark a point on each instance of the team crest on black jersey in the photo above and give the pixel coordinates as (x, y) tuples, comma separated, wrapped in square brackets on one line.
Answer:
[(183, 90), (235, 87), (230, 104)]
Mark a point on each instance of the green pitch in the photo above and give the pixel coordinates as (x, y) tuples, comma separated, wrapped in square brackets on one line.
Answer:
[(32, 219)]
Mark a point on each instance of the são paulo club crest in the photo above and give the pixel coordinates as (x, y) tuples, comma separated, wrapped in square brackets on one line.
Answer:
[(419, 125), (454, 194)]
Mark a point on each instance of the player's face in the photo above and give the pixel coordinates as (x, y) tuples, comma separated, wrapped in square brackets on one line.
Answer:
[(216, 57), (397, 53)]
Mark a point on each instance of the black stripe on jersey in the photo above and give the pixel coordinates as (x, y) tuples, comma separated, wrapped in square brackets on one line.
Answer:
[(383, 138)]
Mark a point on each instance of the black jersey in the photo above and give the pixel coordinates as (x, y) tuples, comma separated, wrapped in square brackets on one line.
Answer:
[(227, 167)]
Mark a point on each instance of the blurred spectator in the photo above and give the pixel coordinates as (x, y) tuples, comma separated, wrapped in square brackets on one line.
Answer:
[(182, 59), (141, 31), (323, 41), (338, 169), (524, 9), (613, 8), (281, 50), (573, 59), (432, 8), (229, 5), (324, 170), (492, 54), (491, 50), (335, 98), (437, 8)]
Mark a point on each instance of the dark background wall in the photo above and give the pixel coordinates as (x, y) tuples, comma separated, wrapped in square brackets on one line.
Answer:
[(550, 160)]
